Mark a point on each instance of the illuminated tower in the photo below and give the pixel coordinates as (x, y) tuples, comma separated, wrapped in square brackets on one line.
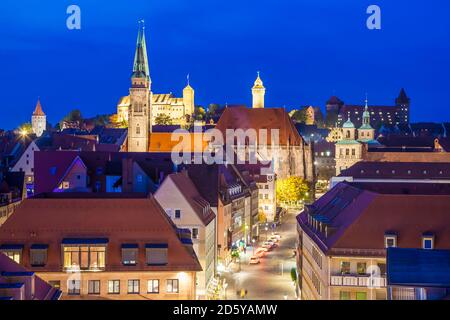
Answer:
[(139, 112), (366, 132), (38, 120), (188, 99), (258, 92)]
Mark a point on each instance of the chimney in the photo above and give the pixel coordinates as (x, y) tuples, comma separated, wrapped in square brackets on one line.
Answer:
[(127, 174)]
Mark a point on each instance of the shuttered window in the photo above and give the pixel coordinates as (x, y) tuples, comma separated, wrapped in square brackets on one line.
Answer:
[(156, 254)]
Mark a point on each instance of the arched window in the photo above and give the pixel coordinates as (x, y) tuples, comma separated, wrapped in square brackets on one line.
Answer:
[(348, 134), (138, 129)]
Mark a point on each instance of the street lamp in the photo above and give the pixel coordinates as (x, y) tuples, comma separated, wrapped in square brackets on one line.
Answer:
[(267, 229)]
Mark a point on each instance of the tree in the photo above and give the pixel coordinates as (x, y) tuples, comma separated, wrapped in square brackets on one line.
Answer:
[(299, 115), (163, 120), (25, 128), (213, 109), (294, 275), (291, 190), (199, 113), (73, 116)]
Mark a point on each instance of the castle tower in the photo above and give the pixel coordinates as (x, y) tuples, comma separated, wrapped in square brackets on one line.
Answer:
[(366, 132), (38, 120), (139, 111), (402, 103), (188, 99), (258, 92)]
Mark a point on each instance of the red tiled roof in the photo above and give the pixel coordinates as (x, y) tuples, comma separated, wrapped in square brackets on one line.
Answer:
[(122, 219), (361, 214), (398, 170), (267, 118), (38, 110), (50, 167)]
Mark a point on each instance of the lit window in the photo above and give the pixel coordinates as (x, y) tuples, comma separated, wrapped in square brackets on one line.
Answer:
[(345, 267), (85, 257), (361, 268), (14, 252), (73, 287), (94, 287), (153, 286), (133, 286), (194, 233), (172, 286), (114, 286), (344, 295), (361, 296)]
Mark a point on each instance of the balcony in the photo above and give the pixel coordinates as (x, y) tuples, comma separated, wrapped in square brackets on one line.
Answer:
[(358, 281)]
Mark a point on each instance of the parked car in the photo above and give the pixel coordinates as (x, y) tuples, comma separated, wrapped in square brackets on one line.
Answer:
[(254, 260), (276, 234), (269, 245), (274, 239)]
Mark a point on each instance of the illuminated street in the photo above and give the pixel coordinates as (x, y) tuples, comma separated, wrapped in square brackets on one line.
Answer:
[(271, 278)]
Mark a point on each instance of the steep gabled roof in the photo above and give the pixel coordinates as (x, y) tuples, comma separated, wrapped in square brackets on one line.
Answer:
[(120, 218), (188, 190), (361, 213), (38, 110), (260, 119)]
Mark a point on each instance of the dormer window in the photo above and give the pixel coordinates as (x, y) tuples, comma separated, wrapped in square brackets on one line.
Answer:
[(390, 240), (428, 241)]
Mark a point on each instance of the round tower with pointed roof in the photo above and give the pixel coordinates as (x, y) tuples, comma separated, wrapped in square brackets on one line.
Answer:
[(38, 120), (258, 93)]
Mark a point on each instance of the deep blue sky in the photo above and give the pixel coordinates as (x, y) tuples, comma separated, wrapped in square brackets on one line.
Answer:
[(306, 51)]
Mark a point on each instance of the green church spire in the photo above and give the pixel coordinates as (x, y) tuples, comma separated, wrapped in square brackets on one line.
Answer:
[(140, 66)]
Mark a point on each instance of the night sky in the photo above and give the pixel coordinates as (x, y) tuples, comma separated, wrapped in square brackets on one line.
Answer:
[(306, 50)]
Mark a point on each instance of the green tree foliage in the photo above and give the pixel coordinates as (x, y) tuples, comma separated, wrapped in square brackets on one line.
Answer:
[(294, 275), (291, 190), (163, 119), (299, 115), (73, 116), (199, 113)]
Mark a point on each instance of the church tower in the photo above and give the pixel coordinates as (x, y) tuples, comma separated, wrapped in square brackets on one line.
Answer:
[(348, 149), (139, 111), (366, 132), (258, 92), (38, 120), (188, 99)]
